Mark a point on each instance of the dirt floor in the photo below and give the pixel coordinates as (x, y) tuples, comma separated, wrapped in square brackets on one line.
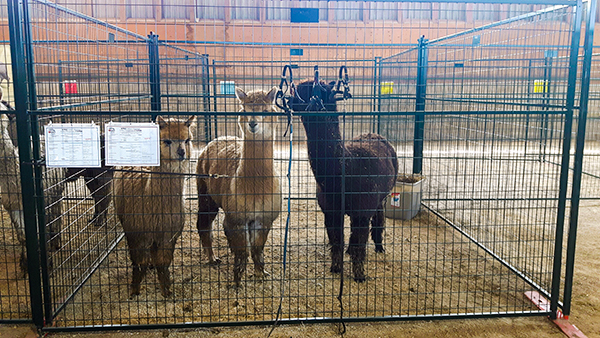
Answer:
[(585, 314)]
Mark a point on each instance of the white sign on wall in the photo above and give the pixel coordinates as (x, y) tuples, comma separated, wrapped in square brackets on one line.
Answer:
[(132, 144), (74, 145)]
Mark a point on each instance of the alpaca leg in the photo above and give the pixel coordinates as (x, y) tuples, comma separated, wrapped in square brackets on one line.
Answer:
[(139, 253), (258, 234), (53, 224), (141, 263), (139, 272), (335, 232), (357, 248), (162, 258), (55, 209), (207, 211), (22, 262), (100, 188), (236, 238), (19, 224), (100, 210), (377, 228)]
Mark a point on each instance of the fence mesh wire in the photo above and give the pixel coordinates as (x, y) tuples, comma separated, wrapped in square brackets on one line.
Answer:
[(495, 98)]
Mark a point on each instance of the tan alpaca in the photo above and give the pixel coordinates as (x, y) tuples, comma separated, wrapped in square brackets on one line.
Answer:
[(250, 192), (150, 205), (10, 185), (10, 189)]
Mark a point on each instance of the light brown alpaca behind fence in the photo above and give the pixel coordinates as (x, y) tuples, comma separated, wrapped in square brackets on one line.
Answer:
[(10, 185), (150, 205), (249, 191), (10, 189)]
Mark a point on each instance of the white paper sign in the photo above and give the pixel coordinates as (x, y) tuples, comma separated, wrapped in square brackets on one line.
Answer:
[(74, 145), (134, 144)]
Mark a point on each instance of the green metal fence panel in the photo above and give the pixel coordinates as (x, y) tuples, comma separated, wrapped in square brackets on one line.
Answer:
[(480, 105)]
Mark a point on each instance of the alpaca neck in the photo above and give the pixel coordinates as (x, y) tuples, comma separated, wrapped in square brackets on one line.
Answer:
[(257, 159), (164, 184), (325, 145)]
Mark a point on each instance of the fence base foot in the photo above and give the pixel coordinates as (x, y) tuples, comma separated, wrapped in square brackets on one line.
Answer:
[(561, 321)]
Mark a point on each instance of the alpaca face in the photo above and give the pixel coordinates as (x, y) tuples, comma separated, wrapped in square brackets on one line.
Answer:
[(304, 91), (257, 127), (175, 139)]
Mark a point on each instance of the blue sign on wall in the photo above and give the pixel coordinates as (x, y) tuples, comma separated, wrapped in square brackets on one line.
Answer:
[(304, 14)]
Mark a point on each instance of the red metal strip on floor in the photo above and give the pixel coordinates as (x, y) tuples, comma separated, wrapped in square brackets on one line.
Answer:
[(561, 321)]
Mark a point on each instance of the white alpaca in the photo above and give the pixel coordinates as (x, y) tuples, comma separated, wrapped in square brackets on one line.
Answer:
[(250, 191), (10, 184)]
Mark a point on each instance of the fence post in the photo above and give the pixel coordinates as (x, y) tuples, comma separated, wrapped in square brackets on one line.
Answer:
[(420, 105), (36, 157), (216, 127), (545, 118), (206, 97), (377, 93), (25, 159), (154, 73), (577, 171), (564, 169)]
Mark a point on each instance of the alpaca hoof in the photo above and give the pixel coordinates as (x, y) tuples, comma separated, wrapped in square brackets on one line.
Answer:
[(234, 286), (260, 275), (22, 267), (97, 222), (379, 248), (214, 261), (134, 291), (360, 279), (335, 269)]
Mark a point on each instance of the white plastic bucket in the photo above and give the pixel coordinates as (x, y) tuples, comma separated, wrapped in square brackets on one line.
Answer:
[(404, 201)]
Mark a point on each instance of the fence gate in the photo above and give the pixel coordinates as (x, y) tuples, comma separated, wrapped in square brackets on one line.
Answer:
[(477, 100)]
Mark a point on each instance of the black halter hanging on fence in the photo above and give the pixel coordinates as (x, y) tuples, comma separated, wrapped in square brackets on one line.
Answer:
[(318, 94), (317, 100), (283, 98), (342, 80)]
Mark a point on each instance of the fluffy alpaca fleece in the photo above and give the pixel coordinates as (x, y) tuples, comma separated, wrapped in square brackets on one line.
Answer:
[(10, 188), (10, 185), (249, 191), (150, 205), (369, 166)]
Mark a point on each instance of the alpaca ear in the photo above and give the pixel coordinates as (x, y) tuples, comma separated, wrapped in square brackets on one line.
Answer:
[(240, 94), (161, 122), (190, 120), (272, 93)]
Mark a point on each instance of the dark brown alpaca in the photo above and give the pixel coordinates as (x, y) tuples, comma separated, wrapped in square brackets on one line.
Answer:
[(361, 172)]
